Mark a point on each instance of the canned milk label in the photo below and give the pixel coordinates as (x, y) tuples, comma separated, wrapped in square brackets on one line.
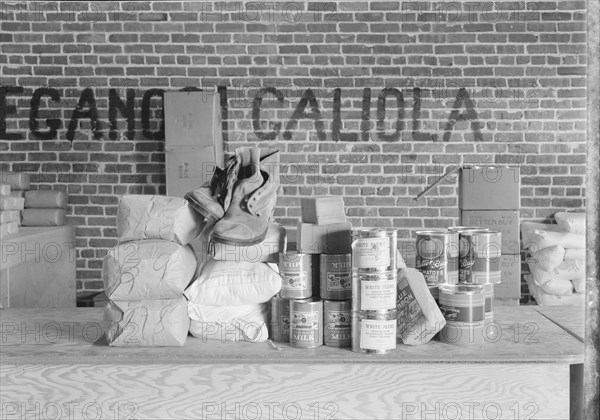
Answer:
[(378, 334), (377, 295), (284, 328), (305, 326), (338, 325), (371, 252), (337, 282), (295, 281)]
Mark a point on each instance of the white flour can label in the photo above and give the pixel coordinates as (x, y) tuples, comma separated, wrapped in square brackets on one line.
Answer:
[(377, 295), (377, 334), (374, 249)]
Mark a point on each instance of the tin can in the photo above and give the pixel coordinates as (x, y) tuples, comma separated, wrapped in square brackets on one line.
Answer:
[(316, 274), (374, 249), (337, 323), (374, 292), (374, 333), (295, 270), (479, 258), (463, 307), (435, 292), (437, 256), (336, 276), (306, 323), (280, 319)]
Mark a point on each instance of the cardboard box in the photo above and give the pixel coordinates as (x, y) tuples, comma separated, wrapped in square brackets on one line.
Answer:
[(323, 210), (504, 221), (193, 119), (324, 239), (189, 167), (510, 269), (489, 188)]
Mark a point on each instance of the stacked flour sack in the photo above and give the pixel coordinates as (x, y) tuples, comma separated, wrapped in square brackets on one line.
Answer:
[(146, 274), (12, 187), (557, 259), (229, 298), (44, 208)]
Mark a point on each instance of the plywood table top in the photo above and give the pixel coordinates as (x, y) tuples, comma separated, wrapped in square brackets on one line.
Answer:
[(74, 336), (570, 318)]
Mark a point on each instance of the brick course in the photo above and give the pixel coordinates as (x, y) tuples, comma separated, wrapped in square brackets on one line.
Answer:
[(422, 86)]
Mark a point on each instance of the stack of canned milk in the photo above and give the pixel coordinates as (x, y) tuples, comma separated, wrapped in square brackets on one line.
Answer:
[(374, 290), (461, 266)]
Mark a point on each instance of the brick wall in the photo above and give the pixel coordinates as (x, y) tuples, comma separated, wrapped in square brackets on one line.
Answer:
[(368, 100)]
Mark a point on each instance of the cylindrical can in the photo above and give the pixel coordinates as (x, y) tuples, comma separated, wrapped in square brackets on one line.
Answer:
[(335, 276), (374, 249), (374, 292), (316, 274), (463, 306), (280, 319), (295, 270), (437, 256), (374, 333), (463, 228), (435, 292), (337, 323), (306, 323), (479, 258)]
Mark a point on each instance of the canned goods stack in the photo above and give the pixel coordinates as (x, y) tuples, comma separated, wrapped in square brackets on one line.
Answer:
[(374, 290), (463, 306), (437, 256), (316, 278)]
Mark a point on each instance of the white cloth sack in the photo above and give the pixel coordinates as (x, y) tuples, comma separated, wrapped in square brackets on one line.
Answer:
[(234, 283), (146, 322), (229, 323), (541, 239), (157, 217), (148, 269), (547, 299), (573, 222), (549, 283)]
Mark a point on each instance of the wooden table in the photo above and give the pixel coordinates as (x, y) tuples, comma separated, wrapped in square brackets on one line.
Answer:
[(56, 359), (37, 268)]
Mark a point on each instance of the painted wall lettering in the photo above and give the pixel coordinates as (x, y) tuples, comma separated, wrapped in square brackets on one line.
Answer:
[(308, 98), (8, 109), (153, 135), (463, 99), (87, 100), (381, 111), (53, 124), (115, 103), (272, 135)]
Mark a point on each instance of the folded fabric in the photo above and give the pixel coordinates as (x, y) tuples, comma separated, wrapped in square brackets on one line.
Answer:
[(46, 199), (157, 217), (43, 217), (7, 216), (266, 251), (234, 283), (148, 269), (8, 202), (16, 180), (541, 239), (229, 323), (419, 317), (147, 322), (544, 298), (573, 222), (4, 189)]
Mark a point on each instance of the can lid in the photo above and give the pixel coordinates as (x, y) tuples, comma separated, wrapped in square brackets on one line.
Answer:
[(462, 289), (312, 301), (462, 228), (479, 231), (373, 232), (375, 275), (434, 232)]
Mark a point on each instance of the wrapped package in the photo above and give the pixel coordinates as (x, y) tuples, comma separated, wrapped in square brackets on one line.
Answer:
[(4, 189), (16, 180), (229, 323), (541, 239), (157, 217), (46, 199), (158, 323), (547, 299), (575, 254), (7, 216), (18, 193), (573, 222), (43, 217), (233, 283), (8, 202), (419, 317), (148, 269), (324, 239), (549, 282), (323, 210), (548, 258), (527, 229), (9, 228), (266, 251), (579, 285)]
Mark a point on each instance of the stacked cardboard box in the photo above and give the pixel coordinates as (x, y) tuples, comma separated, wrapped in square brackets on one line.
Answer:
[(489, 196), (12, 186)]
